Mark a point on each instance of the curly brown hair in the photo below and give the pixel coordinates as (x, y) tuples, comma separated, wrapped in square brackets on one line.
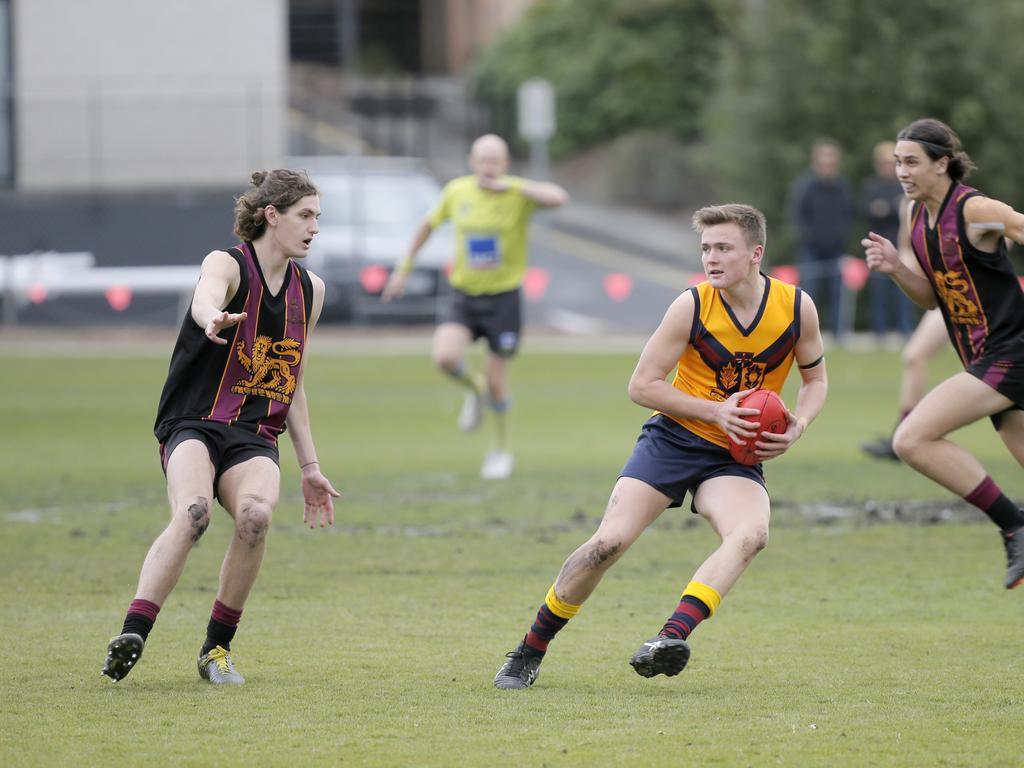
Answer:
[(281, 188)]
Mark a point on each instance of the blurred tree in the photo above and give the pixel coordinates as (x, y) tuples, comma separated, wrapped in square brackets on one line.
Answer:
[(794, 70), (617, 66), (748, 85)]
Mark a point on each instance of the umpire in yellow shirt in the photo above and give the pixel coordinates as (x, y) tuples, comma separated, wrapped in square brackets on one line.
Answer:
[(490, 211)]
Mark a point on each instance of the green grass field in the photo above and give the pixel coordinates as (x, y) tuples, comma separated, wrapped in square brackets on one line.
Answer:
[(374, 643)]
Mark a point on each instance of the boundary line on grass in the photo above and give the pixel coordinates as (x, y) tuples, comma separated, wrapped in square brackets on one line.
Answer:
[(328, 341)]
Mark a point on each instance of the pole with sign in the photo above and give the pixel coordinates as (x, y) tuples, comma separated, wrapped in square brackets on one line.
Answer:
[(536, 102)]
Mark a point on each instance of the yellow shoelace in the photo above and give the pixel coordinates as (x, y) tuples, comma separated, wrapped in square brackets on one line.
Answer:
[(220, 656)]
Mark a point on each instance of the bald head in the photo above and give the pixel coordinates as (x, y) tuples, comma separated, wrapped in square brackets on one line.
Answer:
[(885, 160), (489, 156)]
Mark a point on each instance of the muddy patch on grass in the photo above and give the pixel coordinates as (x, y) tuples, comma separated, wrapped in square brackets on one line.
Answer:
[(784, 514)]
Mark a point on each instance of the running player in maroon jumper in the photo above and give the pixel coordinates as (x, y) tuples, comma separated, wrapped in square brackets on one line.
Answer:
[(956, 260), (234, 385)]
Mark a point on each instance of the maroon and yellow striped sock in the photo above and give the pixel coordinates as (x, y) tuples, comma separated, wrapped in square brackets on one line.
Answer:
[(698, 602), (552, 616)]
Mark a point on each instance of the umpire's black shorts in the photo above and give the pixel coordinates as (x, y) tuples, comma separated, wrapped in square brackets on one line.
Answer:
[(494, 316)]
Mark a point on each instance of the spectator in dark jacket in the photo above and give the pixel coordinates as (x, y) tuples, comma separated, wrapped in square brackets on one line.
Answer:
[(821, 210), (881, 202)]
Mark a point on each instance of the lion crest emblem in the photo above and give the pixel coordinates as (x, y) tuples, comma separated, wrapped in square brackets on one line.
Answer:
[(270, 365)]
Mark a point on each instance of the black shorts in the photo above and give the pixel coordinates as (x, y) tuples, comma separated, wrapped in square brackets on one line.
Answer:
[(494, 316), (673, 460), (1005, 374), (226, 445)]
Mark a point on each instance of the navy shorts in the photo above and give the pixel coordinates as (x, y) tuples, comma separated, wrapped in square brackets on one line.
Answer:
[(1005, 374), (673, 460), (226, 445), (496, 317)]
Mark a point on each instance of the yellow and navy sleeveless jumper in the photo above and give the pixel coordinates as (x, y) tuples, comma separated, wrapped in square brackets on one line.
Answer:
[(723, 357), (250, 381), (978, 292)]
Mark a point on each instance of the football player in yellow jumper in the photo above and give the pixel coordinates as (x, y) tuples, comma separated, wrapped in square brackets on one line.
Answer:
[(736, 332)]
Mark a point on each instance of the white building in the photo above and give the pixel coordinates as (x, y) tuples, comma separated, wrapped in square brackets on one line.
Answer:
[(141, 94)]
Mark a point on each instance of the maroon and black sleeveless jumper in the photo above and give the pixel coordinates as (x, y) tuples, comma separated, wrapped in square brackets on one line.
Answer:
[(250, 381), (978, 293)]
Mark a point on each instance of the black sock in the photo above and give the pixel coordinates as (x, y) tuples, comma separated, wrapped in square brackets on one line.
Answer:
[(1006, 514), (993, 502), (140, 618), (220, 634), (137, 624)]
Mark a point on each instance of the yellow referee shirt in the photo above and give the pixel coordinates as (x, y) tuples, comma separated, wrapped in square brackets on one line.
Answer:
[(490, 234)]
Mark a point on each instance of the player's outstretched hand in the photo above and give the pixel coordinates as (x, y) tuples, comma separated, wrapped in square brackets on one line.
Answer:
[(318, 496), (879, 253), (733, 419), (774, 444), (221, 321)]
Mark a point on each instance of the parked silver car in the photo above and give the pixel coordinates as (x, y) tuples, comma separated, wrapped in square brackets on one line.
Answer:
[(371, 207)]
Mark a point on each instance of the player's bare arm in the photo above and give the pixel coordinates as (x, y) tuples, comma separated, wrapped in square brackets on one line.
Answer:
[(395, 286), (319, 293), (219, 279), (883, 256), (544, 193), (988, 220), (317, 492), (648, 387), (810, 360), (810, 399)]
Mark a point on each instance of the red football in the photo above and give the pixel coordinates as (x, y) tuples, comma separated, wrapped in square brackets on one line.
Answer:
[(772, 419)]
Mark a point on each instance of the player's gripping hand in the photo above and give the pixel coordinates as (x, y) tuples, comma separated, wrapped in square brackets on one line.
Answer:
[(772, 445), (880, 254), (318, 497), (219, 322), (733, 419)]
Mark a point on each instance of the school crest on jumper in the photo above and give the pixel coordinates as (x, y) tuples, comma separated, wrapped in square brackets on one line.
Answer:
[(739, 373), (270, 365), (953, 289), (295, 314)]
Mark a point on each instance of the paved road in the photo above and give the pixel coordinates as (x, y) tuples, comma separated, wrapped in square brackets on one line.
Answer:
[(584, 287), (576, 285)]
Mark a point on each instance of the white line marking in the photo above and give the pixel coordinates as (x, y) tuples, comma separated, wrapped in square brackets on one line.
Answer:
[(567, 321)]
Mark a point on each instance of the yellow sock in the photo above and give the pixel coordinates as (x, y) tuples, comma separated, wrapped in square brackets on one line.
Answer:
[(706, 594), (558, 607)]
